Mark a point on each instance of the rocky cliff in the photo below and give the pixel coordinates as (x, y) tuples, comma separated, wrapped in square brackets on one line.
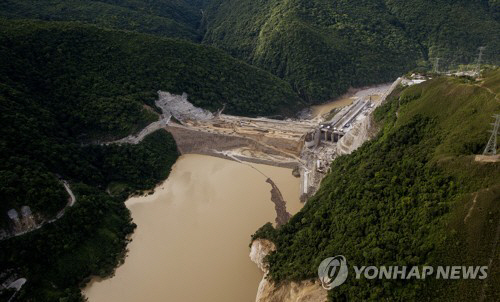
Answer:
[(304, 291)]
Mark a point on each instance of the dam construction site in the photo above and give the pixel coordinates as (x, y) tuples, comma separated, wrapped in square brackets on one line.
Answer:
[(307, 145)]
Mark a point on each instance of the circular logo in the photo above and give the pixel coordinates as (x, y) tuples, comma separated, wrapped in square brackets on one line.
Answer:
[(332, 272)]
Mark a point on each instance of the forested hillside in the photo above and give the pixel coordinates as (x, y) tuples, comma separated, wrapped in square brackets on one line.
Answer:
[(67, 83), (178, 19), (320, 47), (323, 47), (91, 237), (76, 72), (65, 86), (78, 62), (413, 196)]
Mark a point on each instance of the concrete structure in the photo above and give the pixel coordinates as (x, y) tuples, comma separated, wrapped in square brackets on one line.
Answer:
[(309, 140), (13, 215), (300, 144), (330, 134), (25, 211)]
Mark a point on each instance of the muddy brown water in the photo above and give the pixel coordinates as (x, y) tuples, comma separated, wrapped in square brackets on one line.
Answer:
[(192, 236), (319, 110)]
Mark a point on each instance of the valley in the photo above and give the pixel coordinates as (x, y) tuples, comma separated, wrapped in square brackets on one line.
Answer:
[(305, 144), (147, 147), (242, 142)]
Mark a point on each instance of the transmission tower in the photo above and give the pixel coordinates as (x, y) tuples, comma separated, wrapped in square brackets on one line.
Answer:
[(480, 57), (436, 65), (491, 147)]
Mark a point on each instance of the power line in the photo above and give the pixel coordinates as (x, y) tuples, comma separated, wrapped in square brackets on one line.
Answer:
[(491, 146), (480, 57), (436, 65)]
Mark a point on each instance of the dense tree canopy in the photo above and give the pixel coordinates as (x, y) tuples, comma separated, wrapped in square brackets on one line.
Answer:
[(320, 47), (176, 19), (323, 47), (400, 199), (88, 71), (66, 86)]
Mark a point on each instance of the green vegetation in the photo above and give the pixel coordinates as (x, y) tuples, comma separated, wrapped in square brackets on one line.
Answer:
[(323, 47), (65, 86), (88, 71), (177, 19), (67, 83), (88, 240), (134, 167), (402, 199), (320, 47), (101, 71)]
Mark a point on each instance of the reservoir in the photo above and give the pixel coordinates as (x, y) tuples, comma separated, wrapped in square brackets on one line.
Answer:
[(192, 238)]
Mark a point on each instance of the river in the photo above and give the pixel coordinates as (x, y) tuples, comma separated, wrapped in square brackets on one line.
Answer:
[(319, 110), (192, 236)]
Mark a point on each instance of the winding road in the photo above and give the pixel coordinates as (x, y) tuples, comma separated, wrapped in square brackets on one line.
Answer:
[(60, 214)]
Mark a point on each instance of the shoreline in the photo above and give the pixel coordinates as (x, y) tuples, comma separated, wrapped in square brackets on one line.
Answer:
[(154, 245)]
